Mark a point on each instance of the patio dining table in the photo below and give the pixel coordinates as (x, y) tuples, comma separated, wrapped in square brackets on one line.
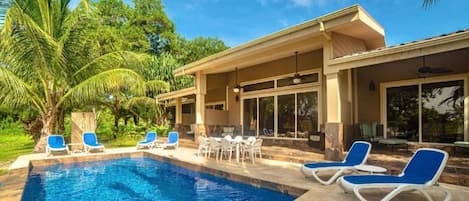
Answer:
[(238, 142)]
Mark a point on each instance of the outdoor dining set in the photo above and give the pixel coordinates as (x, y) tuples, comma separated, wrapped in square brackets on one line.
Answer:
[(226, 146)]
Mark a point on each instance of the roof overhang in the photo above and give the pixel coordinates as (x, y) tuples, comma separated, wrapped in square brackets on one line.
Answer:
[(176, 94), (430, 46), (308, 36)]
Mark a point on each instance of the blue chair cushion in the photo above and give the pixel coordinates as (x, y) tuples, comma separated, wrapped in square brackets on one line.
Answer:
[(90, 139), (173, 137), (357, 153), (326, 164), (56, 142), (382, 179), (424, 165)]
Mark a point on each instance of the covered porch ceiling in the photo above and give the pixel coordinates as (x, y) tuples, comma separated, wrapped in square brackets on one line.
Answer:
[(353, 21)]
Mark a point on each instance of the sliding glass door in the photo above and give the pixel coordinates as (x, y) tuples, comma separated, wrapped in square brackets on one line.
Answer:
[(307, 113), (403, 112), (296, 115), (286, 116), (443, 112), (436, 110), (250, 117), (266, 116)]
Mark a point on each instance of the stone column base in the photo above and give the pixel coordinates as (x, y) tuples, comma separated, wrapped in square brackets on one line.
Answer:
[(199, 131), (334, 142)]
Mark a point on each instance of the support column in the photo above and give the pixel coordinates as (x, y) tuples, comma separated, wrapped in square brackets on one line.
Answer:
[(201, 90), (334, 128), (178, 115)]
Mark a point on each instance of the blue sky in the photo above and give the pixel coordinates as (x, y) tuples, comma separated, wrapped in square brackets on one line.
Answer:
[(239, 21)]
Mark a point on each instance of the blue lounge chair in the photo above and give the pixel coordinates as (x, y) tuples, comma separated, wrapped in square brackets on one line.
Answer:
[(356, 156), (55, 143), (90, 142), (421, 173), (173, 140), (149, 141)]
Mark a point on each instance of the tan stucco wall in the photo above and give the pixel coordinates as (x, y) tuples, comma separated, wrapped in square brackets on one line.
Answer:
[(216, 117), (216, 95), (188, 119)]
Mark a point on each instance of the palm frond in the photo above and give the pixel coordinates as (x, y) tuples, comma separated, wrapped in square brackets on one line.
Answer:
[(28, 47), (156, 87), (114, 60), (106, 83), (15, 93), (142, 101)]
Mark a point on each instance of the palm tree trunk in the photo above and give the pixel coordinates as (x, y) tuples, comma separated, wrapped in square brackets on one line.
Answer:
[(48, 122), (61, 121)]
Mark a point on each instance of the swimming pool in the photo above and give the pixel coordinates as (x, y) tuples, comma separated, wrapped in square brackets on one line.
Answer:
[(135, 179)]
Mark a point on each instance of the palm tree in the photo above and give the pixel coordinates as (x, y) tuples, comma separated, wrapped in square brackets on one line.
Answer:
[(48, 59)]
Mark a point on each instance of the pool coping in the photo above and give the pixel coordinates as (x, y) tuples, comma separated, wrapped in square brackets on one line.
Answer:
[(16, 179)]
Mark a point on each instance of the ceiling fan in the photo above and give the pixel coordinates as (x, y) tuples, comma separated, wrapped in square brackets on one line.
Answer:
[(427, 70)]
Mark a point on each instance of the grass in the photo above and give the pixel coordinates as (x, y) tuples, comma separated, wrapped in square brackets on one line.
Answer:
[(123, 141), (13, 143)]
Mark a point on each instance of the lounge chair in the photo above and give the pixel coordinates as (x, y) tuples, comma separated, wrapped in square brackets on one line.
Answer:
[(55, 143), (149, 142), (173, 140), (356, 156), (421, 173), (90, 142)]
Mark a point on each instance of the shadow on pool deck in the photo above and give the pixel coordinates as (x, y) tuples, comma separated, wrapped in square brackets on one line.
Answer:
[(274, 174)]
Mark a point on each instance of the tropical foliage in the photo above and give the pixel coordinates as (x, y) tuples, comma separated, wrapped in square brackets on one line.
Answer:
[(103, 56)]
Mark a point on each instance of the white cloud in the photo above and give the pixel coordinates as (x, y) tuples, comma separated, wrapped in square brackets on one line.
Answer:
[(302, 3)]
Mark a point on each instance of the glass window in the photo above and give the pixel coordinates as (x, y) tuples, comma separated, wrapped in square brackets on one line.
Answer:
[(286, 116), (443, 112), (310, 78), (258, 86), (219, 107), (188, 108), (250, 117), (307, 106), (215, 107), (171, 115), (403, 112), (266, 116)]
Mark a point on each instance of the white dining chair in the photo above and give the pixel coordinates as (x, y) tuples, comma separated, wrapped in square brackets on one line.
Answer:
[(214, 147), (227, 148), (203, 146)]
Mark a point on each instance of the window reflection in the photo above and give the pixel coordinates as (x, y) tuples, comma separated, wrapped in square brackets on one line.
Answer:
[(443, 112), (286, 116), (266, 116), (250, 116), (403, 112), (307, 105)]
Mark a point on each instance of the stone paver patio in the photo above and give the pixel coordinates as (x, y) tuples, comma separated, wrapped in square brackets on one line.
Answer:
[(283, 176)]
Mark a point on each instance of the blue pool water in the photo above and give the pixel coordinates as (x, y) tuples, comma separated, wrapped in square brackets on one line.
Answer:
[(135, 179)]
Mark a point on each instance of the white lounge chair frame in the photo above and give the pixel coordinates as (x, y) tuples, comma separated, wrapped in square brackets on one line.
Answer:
[(340, 170), (49, 150), (87, 148), (402, 187)]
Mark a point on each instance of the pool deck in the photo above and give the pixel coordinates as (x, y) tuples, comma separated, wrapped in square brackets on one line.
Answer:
[(279, 175)]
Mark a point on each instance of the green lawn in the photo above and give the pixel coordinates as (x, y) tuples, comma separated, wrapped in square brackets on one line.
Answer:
[(13, 143)]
